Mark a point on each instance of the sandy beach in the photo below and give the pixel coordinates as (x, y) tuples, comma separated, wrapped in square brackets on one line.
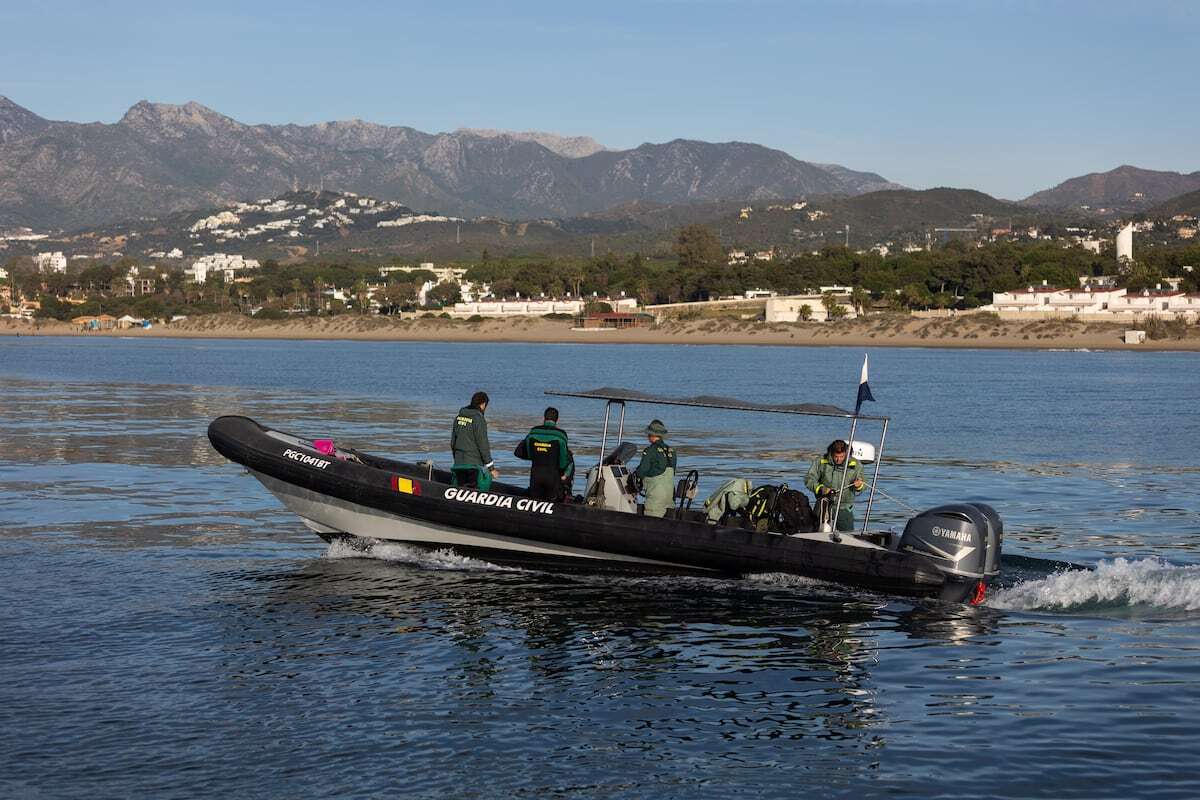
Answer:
[(973, 331)]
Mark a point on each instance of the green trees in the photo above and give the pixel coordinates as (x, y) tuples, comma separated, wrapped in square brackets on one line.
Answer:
[(698, 247), (859, 299), (833, 308), (444, 294), (397, 297), (916, 295)]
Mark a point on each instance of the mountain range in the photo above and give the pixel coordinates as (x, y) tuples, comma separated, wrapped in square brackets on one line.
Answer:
[(160, 158), (1124, 189)]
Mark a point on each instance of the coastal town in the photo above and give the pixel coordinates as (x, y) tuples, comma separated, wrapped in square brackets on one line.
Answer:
[(1095, 276)]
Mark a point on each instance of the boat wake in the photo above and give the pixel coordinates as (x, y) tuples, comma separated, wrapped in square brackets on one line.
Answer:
[(786, 580), (444, 559), (1113, 586)]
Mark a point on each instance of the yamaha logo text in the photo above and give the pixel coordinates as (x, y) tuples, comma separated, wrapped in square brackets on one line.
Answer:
[(946, 533)]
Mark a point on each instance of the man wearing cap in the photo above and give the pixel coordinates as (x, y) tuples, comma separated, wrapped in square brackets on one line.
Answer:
[(657, 471), (553, 466), (825, 477)]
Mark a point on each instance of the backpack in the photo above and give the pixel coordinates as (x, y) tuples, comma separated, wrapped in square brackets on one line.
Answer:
[(760, 511), (793, 512)]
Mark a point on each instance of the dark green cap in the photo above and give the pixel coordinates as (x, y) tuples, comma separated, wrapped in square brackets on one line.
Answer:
[(656, 428)]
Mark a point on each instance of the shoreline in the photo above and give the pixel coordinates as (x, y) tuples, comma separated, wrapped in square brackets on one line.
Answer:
[(964, 332)]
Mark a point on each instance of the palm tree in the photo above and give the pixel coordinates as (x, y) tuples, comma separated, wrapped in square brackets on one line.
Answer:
[(319, 291), (360, 294), (859, 299)]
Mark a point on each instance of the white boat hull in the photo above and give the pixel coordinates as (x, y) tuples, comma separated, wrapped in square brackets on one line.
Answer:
[(329, 516)]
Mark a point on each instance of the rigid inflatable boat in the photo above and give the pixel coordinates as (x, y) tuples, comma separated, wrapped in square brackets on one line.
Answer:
[(950, 552)]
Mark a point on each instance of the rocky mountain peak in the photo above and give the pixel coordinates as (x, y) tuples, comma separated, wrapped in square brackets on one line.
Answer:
[(16, 121), (190, 116), (566, 146)]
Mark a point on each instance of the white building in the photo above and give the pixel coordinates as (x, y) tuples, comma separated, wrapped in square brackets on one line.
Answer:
[(50, 262), (535, 308), (229, 265), (441, 274), (1185, 303), (788, 309), (215, 221), (1049, 299), (414, 219), (1148, 301), (1125, 244)]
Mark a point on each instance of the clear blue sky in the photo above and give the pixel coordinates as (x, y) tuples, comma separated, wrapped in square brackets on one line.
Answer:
[(1008, 96)]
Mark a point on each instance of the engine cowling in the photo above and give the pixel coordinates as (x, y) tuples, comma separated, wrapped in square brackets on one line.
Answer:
[(962, 539)]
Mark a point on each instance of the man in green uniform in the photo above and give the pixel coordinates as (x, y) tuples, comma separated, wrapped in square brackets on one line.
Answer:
[(469, 445), (657, 471), (552, 466), (824, 478)]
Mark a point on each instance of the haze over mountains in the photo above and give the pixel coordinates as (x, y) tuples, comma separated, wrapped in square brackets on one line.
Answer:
[(160, 158)]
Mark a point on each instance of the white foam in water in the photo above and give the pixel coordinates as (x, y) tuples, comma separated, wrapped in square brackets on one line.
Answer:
[(408, 554), (1147, 582), (783, 579)]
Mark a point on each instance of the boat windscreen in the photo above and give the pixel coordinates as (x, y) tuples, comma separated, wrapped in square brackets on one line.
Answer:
[(709, 401)]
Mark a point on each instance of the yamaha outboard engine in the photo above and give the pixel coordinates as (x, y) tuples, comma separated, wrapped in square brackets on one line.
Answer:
[(963, 540)]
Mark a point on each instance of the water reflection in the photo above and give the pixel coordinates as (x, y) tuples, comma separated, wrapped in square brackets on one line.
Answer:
[(173, 627)]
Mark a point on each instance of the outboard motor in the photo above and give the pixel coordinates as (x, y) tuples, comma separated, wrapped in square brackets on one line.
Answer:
[(995, 538), (963, 540)]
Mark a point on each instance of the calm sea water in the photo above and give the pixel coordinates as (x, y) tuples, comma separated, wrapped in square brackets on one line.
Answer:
[(169, 631)]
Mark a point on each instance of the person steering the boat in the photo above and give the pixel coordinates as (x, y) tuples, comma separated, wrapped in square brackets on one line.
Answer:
[(657, 471), (824, 479), (552, 466), (473, 464)]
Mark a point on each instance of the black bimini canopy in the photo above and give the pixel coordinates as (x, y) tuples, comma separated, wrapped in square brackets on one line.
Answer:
[(708, 401)]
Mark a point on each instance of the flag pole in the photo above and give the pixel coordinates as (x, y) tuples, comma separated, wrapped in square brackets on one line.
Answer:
[(845, 470), (864, 393), (875, 479)]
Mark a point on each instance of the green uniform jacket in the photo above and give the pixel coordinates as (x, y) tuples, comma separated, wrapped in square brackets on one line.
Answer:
[(469, 438), (657, 471), (547, 432), (824, 472)]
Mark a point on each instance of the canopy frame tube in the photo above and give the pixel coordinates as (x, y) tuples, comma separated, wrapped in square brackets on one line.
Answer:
[(621, 397), (729, 404)]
